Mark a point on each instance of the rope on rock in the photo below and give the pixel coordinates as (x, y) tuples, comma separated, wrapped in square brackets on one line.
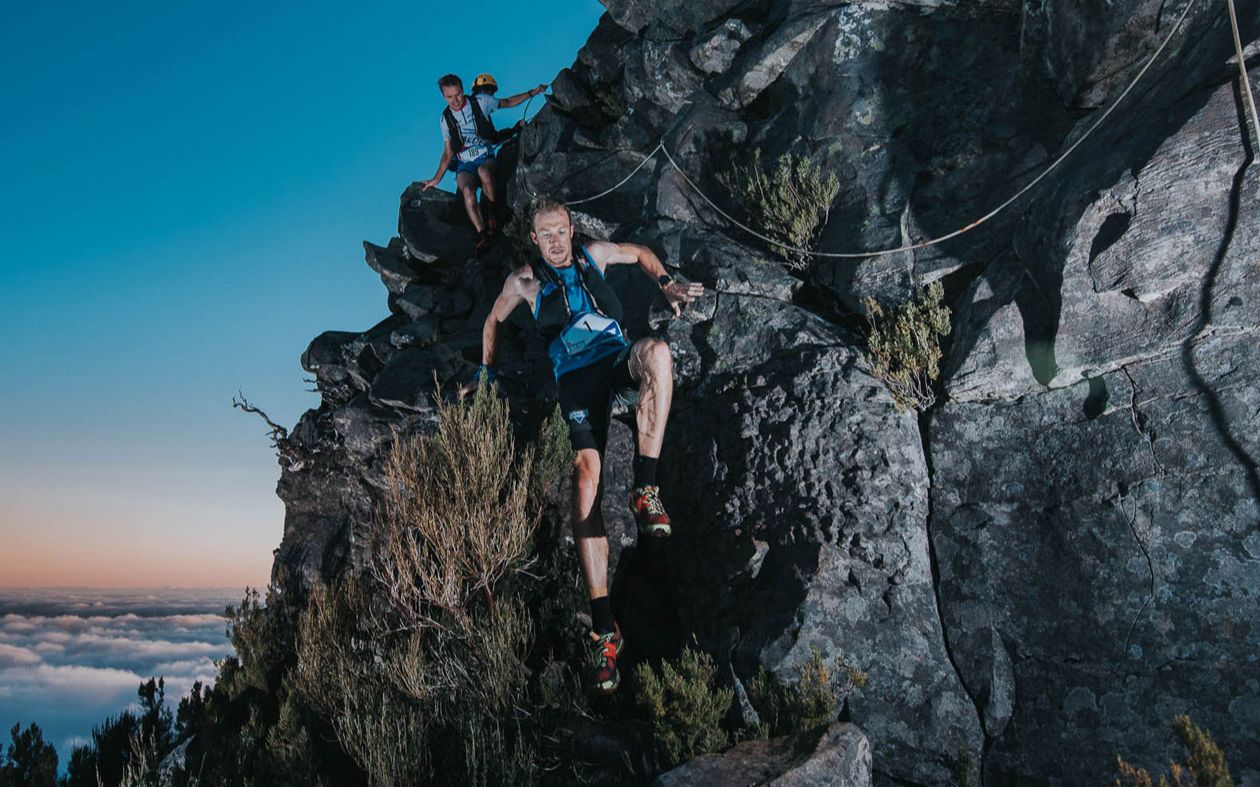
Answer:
[(525, 118), (1245, 81), (660, 148)]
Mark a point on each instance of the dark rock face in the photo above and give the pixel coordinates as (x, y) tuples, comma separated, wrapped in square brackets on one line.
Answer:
[(1065, 551), (1104, 574), (804, 496)]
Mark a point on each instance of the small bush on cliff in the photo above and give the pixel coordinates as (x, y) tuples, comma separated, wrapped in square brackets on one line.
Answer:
[(812, 702), (419, 666), (336, 687), (789, 202), (126, 749), (904, 346), (1204, 766), (964, 770), (30, 761), (457, 517), (684, 706), (250, 727), (608, 99)]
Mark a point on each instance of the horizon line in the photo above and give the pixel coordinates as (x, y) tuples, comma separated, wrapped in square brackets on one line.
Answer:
[(132, 587)]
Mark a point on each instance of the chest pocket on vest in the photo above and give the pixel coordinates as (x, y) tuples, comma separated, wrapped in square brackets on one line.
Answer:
[(587, 330)]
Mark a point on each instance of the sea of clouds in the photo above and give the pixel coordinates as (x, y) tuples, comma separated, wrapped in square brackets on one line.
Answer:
[(69, 658)]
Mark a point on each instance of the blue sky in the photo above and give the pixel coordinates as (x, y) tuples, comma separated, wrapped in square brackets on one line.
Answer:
[(185, 188)]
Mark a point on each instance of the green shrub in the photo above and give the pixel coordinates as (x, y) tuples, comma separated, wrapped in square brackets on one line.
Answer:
[(419, 666), (904, 346), (608, 99), (412, 704), (684, 707), (1204, 766), (142, 765), (361, 683), (126, 749), (553, 456), (789, 203), (456, 516), (261, 630), (340, 672), (250, 728), (812, 702), (965, 770)]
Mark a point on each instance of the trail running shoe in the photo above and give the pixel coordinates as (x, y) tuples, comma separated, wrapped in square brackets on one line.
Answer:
[(604, 649), (483, 242), (649, 511)]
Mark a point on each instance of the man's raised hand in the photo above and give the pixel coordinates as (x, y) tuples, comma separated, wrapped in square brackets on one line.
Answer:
[(678, 294)]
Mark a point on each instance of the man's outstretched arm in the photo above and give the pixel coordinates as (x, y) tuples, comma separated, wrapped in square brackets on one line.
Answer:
[(511, 101), (447, 155), (509, 298), (677, 294)]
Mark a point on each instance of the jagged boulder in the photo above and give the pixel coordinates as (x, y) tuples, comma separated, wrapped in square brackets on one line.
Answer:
[(432, 225), (393, 263)]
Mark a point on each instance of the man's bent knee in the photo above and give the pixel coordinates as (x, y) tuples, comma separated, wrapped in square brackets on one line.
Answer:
[(586, 470), (658, 352), (653, 358)]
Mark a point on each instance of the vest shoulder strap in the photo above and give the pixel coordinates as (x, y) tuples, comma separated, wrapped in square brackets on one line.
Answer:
[(457, 139), (544, 273), (580, 253), (486, 129)]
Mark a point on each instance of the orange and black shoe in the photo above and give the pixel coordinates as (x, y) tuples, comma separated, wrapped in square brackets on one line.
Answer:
[(604, 649), (649, 511)]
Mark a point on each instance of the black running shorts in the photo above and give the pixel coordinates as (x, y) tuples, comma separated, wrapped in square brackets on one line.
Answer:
[(587, 396)]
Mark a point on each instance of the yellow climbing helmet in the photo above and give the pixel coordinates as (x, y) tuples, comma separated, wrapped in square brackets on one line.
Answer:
[(484, 83)]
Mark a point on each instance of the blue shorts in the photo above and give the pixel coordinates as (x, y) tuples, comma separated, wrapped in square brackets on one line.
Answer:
[(471, 166)]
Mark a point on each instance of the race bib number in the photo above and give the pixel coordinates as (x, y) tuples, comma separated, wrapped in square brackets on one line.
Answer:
[(586, 330)]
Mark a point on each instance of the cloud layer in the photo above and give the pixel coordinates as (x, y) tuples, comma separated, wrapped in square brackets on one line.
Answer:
[(71, 658)]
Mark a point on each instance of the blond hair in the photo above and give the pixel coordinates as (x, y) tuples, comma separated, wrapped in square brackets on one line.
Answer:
[(542, 204)]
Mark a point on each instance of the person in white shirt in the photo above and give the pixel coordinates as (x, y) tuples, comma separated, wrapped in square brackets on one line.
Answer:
[(469, 139)]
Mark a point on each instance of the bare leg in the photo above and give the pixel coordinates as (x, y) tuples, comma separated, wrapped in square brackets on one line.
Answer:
[(651, 365), (466, 184), (588, 522), (486, 173)]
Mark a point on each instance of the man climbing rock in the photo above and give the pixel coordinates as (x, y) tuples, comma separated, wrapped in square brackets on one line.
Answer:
[(578, 314), (469, 138)]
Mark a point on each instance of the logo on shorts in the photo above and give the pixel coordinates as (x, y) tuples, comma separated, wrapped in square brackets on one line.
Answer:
[(577, 416)]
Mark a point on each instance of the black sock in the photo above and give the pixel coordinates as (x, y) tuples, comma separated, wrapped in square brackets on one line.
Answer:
[(645, 471), (601, 615)]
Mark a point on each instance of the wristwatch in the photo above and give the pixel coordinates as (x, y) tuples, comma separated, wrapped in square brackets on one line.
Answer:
[(664, 280)]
